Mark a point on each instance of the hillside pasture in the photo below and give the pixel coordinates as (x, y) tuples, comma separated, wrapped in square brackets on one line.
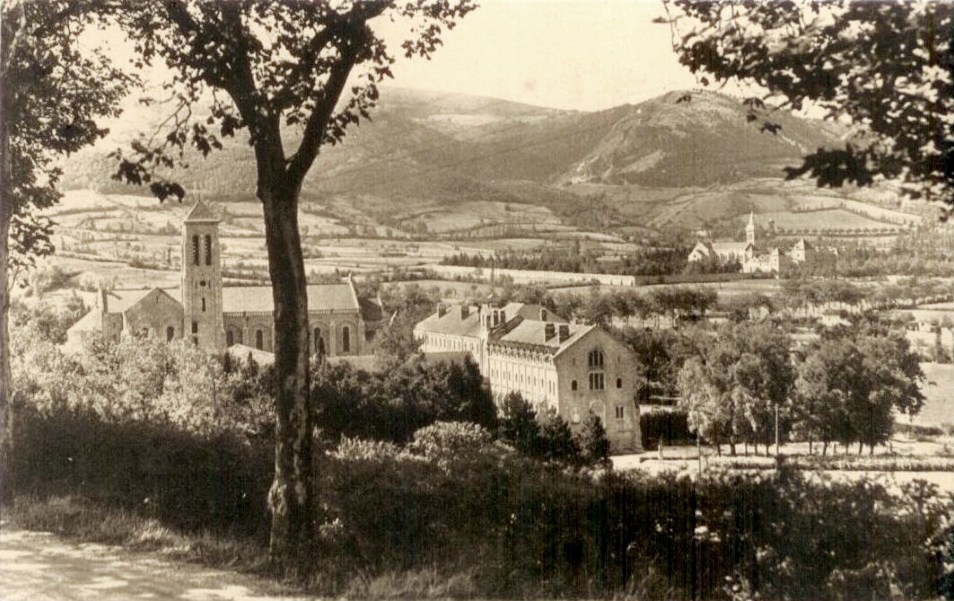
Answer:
[(825, 220)]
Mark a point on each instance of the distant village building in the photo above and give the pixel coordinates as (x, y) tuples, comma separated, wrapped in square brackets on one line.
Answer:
[(571, 368), (751, 258), (217, 317)]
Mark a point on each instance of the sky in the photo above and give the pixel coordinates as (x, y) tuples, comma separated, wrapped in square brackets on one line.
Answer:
[(568, 54)]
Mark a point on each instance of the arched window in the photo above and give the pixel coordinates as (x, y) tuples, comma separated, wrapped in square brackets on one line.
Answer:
[(619, 382), (259, 339), (345, 339), (208, 249), (170, 333), (596, 358), (195, 250), (229, 338)]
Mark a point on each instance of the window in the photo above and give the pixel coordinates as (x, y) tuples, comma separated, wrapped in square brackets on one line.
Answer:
[(596, 358), (573, 385), (208, 249), (195, 250), (619, 412), (229, 338), (170, 333), (619, 382), (345, 339), (203, 303), (596, 381), (259, 339), (195, 327)]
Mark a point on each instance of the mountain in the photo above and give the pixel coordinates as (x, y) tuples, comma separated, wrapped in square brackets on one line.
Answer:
[(429, 155)]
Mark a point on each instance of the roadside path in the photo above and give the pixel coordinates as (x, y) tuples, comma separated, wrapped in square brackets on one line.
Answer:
[(38, 566)]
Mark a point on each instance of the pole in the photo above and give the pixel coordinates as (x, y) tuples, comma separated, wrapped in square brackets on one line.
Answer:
[(776, 433)]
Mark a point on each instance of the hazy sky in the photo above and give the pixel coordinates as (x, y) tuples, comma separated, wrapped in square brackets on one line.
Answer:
[(570, 54), (575, 54)]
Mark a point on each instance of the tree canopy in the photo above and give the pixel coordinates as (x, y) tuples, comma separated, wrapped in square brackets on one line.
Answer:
[(885, 68)]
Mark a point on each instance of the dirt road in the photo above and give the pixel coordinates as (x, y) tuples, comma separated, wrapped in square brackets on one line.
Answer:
[(40, 567)]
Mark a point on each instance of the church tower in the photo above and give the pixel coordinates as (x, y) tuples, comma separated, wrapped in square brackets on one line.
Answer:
[(750, 229), (202, 279)]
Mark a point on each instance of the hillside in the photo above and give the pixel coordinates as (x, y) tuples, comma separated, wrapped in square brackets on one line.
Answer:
[(458, 159)]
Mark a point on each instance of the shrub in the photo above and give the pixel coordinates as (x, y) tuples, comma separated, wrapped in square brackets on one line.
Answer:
[(670, 426)]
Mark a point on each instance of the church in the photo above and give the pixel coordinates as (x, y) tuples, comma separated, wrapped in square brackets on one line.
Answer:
[(215, 316), (749, 257)]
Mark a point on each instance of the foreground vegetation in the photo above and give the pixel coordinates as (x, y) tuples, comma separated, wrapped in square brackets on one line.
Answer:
[(454, 507)]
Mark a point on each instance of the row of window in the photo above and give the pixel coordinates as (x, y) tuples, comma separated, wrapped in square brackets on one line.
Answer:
[(597, 382)]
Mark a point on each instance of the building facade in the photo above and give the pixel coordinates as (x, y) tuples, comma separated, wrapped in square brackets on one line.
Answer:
[(217, 317), (572, 369)]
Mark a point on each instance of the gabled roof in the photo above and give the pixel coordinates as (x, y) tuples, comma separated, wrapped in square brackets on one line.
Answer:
[(529, 332), (724, 248), (258, 299), (531, 311), (452, 322), (119, 301), (201, 213)]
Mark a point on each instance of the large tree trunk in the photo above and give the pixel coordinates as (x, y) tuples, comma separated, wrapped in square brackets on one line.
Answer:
[(291, 498), (6, 379)]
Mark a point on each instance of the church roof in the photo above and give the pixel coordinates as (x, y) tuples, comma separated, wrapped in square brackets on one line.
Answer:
[(201, 213), (258, 299)]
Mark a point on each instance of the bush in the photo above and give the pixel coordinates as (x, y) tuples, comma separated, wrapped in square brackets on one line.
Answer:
[(184, 479), (453, 506), (669, 426)]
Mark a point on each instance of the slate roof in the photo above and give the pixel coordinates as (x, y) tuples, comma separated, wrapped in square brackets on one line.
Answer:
[(452, 323), (531, 311), (258, 299), (533, 332)]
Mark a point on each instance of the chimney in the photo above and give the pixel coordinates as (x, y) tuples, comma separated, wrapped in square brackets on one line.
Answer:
[(564, 332), (503, 316), (464, 312), (441, 310), (549, 331), (543, 314), (496, 317), (103, 300)]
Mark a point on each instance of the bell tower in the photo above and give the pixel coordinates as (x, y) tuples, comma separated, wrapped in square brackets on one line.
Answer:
[(202, 279), (750, 230)]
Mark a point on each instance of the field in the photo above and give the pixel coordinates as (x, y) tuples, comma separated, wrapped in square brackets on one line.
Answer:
[(939, 390)]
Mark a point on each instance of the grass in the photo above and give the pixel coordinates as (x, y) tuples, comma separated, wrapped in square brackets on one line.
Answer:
[(75, 519)]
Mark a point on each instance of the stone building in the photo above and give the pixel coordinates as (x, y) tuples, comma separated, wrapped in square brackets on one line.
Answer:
[(215, 316), (752, 259), (571, 368)]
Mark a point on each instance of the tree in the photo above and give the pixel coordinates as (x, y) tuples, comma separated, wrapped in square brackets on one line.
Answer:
[(851, 383), (269, 68), (557, 440), (519, 426), (592, 441), (702, 401), (886, 66), (52, 93)]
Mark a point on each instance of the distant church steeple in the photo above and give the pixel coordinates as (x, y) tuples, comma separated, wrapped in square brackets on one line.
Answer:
[(750, 229), (202, 278)]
